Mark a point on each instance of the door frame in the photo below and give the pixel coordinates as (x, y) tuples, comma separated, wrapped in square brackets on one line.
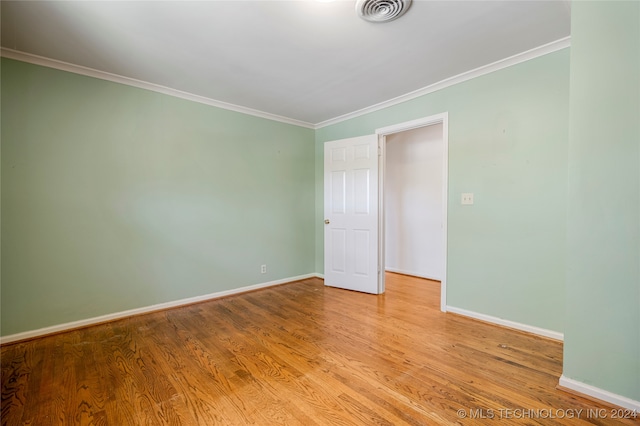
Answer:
[(442, 118)]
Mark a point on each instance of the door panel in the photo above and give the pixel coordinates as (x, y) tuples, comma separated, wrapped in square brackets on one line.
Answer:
[(361, 191), (338, 192), (339, 250), (351, 214), (361, 249)]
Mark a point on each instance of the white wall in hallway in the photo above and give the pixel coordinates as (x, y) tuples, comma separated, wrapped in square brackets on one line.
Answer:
[(413, 202)]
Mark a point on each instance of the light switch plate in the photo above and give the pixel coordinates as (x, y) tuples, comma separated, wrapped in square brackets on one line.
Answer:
[(467, 198)]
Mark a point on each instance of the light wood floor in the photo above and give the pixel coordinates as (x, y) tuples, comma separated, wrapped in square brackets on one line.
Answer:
[(297, 354)]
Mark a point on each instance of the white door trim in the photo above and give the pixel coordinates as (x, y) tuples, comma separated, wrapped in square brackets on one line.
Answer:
[(402, 127)]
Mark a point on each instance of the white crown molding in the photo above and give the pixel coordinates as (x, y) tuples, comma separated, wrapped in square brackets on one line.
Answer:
[(143, 310), (536, 52), (545, 49), (506, 323), (593, 392), (90, 72)]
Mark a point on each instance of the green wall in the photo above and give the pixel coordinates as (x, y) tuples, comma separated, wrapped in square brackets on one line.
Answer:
[(508, 145), (115, 198), (602, 336)]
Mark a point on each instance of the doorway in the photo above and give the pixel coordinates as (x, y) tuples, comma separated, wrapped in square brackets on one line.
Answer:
[(415, 211), (413, 202)]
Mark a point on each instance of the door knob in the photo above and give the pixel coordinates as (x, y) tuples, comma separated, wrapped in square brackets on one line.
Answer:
[(326, 221)]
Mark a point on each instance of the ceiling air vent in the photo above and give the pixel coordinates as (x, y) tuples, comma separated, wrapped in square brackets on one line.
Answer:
[(381, 10)]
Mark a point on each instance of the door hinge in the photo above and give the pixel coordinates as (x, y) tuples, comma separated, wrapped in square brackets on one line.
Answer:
[(379, 151)]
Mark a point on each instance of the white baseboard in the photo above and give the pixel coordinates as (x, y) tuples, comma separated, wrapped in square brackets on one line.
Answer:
[(506, 323), (601, 394), (413, 274), (144, 310)]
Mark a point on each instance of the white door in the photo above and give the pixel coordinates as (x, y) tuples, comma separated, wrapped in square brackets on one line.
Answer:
[(351, 214)]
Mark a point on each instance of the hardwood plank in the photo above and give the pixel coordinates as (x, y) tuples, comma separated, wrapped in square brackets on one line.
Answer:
[(16, 372), (296, 354)]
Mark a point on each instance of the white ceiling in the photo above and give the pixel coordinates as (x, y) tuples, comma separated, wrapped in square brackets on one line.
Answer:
[(302, 59)]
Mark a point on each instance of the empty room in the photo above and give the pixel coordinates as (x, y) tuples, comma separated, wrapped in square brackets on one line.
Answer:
[(311, 212)]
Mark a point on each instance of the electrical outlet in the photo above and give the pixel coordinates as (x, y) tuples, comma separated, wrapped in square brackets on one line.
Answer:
[(467, 198), (263, 269)]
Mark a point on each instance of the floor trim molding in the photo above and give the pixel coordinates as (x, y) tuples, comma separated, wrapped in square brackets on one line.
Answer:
[(410, 273), (13, 338), (555, 335), (591, 392)]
